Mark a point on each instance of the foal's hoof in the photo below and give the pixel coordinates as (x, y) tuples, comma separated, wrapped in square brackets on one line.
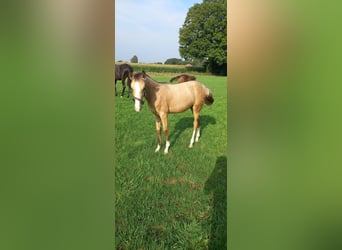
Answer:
[(190, 146), (157, 149)]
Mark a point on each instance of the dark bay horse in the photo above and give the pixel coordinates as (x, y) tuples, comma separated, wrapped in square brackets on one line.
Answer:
[(183, 78), (123, 72), (166, 98)]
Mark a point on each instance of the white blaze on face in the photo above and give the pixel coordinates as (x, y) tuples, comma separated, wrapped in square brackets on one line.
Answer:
[(137, 93)]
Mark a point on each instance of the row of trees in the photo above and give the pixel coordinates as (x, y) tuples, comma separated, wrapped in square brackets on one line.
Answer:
[(175, 61)]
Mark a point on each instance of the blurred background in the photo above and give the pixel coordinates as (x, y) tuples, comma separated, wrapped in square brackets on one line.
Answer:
[(284, 125), (56, 125)]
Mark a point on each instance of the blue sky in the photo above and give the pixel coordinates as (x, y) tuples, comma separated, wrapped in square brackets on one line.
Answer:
[(149, 29)]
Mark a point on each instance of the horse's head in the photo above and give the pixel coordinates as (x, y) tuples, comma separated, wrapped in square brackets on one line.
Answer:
[(138, 89)]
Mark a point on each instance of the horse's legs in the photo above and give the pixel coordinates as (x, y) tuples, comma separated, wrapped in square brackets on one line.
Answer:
[(196, 132), (157, 118), (115, 89), (123, 85), (129, 81), (163, 117)]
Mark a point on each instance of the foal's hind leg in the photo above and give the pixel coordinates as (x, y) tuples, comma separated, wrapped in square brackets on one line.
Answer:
[(196, 131)]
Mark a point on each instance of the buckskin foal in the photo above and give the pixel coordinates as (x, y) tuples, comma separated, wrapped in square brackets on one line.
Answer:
[(166, 98)]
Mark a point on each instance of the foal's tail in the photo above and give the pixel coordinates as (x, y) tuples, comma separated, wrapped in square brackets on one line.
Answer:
[(209, 99)]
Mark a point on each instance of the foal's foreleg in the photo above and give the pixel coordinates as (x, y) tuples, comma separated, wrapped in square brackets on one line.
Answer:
[(196, 132), (166, 132), (158, 133)]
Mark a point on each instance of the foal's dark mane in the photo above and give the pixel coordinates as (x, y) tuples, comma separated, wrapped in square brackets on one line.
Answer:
[(148, 79), (152, 81)]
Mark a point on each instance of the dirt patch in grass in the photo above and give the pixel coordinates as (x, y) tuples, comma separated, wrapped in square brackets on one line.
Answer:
[(149, 179), (173, 181), (195, 186)]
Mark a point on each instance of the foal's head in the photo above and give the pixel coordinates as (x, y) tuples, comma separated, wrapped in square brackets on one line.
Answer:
[(138, 88)]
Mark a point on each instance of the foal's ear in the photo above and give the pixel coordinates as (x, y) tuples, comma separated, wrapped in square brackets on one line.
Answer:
[(144, 74)]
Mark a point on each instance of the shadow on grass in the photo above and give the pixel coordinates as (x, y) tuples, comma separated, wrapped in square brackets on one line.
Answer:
[(187, 122), (217, 185)]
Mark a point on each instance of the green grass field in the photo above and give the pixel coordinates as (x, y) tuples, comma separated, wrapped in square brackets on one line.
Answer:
[(178, 200)]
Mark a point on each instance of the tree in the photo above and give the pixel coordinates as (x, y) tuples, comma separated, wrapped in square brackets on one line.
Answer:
[(173, 61), (134, 59), (203, 36), (176, 61)]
